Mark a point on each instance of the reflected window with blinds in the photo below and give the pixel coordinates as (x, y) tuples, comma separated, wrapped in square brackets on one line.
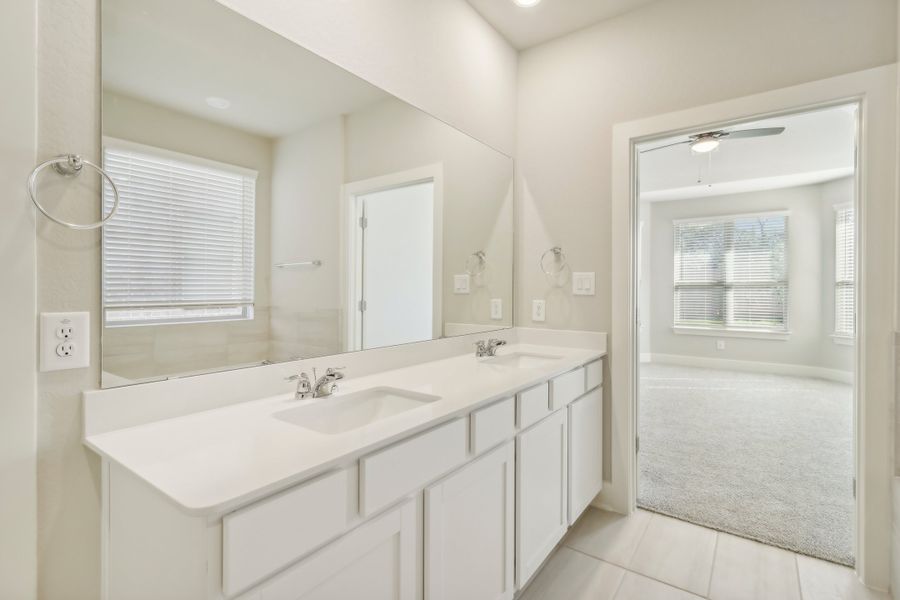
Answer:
[(731, 273), (844, 272), (180, 249)]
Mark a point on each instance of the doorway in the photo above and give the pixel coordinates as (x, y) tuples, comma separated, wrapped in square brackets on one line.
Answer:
[(746, 329), (393, 257)]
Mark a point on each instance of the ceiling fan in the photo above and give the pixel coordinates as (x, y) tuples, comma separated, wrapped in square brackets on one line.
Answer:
[(709, 140)]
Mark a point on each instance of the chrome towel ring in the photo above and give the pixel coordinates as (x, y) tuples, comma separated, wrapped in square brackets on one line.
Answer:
[(559, 259), (476, 263), (71, 165)]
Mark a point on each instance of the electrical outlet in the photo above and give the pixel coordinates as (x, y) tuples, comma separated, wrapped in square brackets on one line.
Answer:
[(720, 344), (539, 310), (65, 341), (496, 309)]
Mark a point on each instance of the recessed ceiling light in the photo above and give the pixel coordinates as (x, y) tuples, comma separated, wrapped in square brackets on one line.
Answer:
[(526, 3), (220, 103), (705, 144)]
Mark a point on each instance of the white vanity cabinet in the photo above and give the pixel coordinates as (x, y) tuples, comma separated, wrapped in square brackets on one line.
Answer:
[(469, 526), (541, 509), (468, 508)]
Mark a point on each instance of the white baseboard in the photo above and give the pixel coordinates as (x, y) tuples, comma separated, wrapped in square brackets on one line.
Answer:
[(750, 366)]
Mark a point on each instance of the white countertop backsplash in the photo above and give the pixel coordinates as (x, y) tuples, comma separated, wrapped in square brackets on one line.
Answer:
[(210, 443)]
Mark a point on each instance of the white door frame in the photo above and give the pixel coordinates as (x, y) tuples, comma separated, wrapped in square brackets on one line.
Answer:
[(350, 241), (875, 90)]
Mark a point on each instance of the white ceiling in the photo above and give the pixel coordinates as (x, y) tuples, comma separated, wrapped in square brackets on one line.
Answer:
[(815, 147), (176, 54), (526, 27)]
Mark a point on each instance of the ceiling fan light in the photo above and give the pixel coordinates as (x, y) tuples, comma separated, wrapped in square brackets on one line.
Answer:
[(704, 145)]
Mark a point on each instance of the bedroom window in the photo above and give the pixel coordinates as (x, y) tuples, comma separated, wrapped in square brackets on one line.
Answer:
[(731, 273), (180, 248), (844, 272)]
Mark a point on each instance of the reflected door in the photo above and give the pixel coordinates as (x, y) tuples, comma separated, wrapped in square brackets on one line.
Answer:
[(397, 262)]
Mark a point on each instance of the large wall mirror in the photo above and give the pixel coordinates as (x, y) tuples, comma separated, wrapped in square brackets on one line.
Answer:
[(275, 207)]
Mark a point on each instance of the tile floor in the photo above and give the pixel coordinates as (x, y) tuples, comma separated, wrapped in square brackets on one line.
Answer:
[(652, 557)]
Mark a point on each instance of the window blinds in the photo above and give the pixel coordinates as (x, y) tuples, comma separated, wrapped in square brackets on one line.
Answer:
[(180, 247), (844, 272), (731, 273)]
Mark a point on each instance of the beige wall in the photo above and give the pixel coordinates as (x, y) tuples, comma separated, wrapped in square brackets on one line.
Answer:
[(151, 352), (18, 491), (647, 62), (438, 55), (431, 73), (810, 276)]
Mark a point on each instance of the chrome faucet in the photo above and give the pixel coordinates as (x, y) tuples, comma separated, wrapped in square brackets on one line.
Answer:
[(488, 348), (325, 385), (304, 387)]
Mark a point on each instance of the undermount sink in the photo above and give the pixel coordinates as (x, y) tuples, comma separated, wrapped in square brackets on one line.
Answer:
[(338, 414), (522, 360)]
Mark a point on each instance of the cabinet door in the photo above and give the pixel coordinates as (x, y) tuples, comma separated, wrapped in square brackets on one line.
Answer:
[(376, 561), (541, 511), (469, 521), (585, 451)]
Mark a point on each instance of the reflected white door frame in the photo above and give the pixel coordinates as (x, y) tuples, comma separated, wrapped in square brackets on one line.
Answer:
[(351, 211)]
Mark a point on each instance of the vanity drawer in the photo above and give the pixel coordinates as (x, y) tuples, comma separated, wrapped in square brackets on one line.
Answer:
[(532, 405), (593, 374), (492, 425), (390, 474), (566, 387), (264, 537)]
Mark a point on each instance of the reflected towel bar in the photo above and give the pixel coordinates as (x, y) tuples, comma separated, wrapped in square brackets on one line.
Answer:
[(308, 263)]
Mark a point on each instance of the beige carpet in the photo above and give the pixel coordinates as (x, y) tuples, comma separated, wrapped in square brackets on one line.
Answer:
[(767, 457)]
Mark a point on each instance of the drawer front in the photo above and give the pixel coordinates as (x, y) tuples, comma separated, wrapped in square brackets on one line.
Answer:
[(493, 425), (593, 374), (566, 387), (390, 474), (532, 405), (266, 536)]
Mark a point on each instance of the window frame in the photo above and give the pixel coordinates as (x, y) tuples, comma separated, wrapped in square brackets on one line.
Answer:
[(725, 330), (203, 312), (837, 335)]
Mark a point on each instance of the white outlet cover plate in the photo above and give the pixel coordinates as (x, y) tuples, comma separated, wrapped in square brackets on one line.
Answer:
[(583, 284), (51, 326), (539, 310), (461, 284), (496, 309)]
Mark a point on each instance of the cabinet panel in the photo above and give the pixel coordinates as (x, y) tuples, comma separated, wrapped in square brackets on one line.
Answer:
[(532, 405), (266, 536), (566, 388), (376, 561), (493, 425), (541, 489), (469, 527), (389, 474), (593, 374), (585, 451)]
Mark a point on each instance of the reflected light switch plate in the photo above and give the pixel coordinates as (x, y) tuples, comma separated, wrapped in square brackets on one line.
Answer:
[(496, 309), (583, 284), (461, 284)]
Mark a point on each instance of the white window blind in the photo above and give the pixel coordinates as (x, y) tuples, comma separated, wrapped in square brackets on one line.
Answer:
[(844, 272), (731, 273), (180, 248)]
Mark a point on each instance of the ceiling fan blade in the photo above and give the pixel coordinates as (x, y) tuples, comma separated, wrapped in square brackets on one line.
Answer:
[(666, 146), (750, 133)]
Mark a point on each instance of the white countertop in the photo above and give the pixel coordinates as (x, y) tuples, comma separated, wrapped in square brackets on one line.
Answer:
[(212, 462)]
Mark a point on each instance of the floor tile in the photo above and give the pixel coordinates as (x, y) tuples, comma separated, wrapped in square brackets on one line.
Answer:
[(637, 587), (608, 536), (747, 570), (677, 553), (571, 575), (822, 580)]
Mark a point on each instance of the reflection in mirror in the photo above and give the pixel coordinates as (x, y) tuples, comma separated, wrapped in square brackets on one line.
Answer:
[(276, 207)]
